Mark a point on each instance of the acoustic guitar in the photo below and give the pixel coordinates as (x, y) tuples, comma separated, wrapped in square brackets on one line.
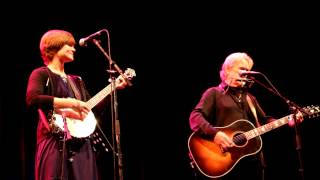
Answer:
[(213, 161)]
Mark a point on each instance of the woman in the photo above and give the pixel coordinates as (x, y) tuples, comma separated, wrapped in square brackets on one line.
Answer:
[(53, 93)]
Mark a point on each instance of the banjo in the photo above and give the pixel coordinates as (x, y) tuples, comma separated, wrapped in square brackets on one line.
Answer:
[(83, 128)]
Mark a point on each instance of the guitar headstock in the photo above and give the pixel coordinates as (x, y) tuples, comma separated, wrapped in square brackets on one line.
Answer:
[(129, 74), (311, 111)]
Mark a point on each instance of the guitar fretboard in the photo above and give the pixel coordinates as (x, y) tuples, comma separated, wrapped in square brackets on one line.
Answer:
[(129, 73), (267, 127), (99, 96)]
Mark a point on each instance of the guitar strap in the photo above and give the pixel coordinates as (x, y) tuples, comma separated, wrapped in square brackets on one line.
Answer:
[(74, 88), (253, 109), (254, 112)]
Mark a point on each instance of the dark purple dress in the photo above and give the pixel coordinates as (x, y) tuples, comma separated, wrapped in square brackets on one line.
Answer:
[(79, 161)]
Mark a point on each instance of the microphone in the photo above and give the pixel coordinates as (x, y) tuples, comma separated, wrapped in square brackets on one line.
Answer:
[(244, 72), (245, 82), (83, 41)]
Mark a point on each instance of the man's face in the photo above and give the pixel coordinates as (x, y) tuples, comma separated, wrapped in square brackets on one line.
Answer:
[(233, 77)]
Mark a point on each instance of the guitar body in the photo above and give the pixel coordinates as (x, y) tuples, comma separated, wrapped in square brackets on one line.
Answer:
[(213, 161), (77, 128)]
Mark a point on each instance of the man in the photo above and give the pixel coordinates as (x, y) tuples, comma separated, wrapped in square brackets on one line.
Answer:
[(223, 106)]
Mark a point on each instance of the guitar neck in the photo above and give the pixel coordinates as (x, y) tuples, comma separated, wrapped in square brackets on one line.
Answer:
[(99, 96), (129, 73), (267, 127)]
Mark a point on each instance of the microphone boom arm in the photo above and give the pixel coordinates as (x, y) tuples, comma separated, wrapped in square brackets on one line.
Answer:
[(277, 93), (293, 107), (111, 62)]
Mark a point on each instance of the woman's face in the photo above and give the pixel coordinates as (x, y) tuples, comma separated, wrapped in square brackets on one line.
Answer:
[(66, 53)]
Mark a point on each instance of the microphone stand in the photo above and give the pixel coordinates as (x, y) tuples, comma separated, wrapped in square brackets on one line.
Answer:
[(293, 108), (114, 111)]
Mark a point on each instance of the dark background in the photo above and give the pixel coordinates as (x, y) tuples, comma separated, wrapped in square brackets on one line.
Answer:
[(176, 51)]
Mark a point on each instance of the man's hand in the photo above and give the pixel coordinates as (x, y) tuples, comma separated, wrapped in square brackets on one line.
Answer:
[(223, 140)]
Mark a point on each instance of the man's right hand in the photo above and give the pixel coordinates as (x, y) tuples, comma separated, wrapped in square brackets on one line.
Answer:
[(223, 140)]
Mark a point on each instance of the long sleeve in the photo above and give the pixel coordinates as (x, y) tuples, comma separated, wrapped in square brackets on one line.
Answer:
[(203, 111), (36, 96)]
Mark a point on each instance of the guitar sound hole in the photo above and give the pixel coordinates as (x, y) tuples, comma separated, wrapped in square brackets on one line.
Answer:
[(239, 139)]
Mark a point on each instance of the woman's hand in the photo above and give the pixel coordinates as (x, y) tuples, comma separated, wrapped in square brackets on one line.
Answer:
[(298, 118), (73, 108), (79, 110)]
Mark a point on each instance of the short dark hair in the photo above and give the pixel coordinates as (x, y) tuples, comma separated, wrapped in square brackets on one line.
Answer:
[(52, 41)]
